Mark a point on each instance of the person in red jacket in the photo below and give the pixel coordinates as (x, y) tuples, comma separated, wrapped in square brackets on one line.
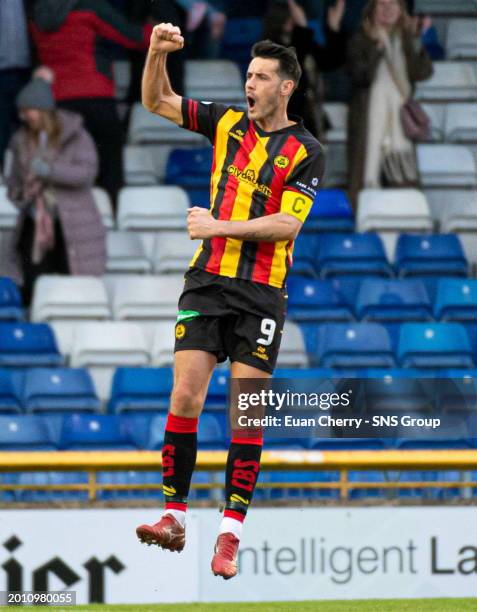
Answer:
[(69, 36)]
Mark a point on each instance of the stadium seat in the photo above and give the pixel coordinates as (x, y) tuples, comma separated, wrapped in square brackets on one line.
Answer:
[(292, 352), (24, 345), (218, 391), (10, 301), (173, 252), (462, 39), (336, 168), (331, 212), (69, 297), (471, 329), (453, 433), (437, 117), (214, 80), (353, 345), (152, 208), (457, 394), (211, 431), (434, 346), (398, 391), (461, 123), (305, 252), (130, 477), (140, 389), (351, 255), (393, 300), (316, 300), (446, 165), (147, 297), (125, 253), (456, 300), (433, 255), (103, 203), (189, 168), (149, 128), (337, 116), (98, 432), (162, 349), (138, 166), (455, 210), (397, 210), (156, 432), (10, 397), (59, 390), (109, 344), (25, 433), (451, 81), (8, 212)]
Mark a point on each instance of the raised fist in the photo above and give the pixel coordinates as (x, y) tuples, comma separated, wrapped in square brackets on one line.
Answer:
[(166, 38)]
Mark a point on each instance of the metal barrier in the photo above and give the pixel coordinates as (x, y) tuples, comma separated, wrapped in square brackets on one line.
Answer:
[(93, 462)]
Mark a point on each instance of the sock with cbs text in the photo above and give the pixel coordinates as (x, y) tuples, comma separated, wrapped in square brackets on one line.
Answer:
[(179, 454)]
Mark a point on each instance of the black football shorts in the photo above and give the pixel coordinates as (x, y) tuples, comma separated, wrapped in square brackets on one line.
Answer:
[(231, 317)]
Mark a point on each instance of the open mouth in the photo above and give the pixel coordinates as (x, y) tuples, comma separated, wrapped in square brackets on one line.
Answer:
[(251, 102)]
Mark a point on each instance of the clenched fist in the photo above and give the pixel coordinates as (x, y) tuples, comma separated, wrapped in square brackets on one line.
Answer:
[(166, 38), (201, 224)]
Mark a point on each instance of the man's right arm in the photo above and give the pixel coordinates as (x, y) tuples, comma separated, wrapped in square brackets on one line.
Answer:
[(157, 94)]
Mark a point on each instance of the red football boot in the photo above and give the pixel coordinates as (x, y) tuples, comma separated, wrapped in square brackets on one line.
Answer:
[(224, 561), (168, 533)]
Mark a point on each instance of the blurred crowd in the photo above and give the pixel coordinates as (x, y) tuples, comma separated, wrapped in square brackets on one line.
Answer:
[(61, 132)]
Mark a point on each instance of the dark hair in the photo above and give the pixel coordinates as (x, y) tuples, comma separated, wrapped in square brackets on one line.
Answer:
[(289, 67)]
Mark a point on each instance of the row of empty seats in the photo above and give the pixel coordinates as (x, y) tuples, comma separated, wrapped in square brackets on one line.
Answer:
[(143, 391), (107, 345)]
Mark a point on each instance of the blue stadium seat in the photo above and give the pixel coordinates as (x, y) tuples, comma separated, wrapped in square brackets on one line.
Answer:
[(156, 432), (60, 390), (434, 346), (189, 167), (292, 477), (98, 432), (393, 300), (10, 301), (305, 252), (10, 397), (8, 478), (316, 300), (28, 345), (25, 432), (354, 345), (371, 476), (211, 431), (471, 329), (457, 392), (454, 433), (436, 255), (352, 255), (218, 391), (456, 300), (199, 197), (140, 389), (397, 391), (331, 212)]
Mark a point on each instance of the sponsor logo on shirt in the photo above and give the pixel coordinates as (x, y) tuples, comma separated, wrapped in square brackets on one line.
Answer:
[(281, 161), (249, 176)]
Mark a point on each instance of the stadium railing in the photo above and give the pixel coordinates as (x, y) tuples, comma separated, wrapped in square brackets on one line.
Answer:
[(94, 462)]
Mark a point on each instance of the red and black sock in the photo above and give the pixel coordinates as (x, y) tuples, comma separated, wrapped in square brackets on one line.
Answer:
[(179, 454), (243, 467)]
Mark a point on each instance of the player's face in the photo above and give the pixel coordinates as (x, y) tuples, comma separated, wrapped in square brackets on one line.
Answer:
[(263, 88)]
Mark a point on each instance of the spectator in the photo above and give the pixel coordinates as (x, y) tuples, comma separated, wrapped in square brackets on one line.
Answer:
[(287, 24), (68, 36), (51, 170), (385, 59), (14, 65)]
